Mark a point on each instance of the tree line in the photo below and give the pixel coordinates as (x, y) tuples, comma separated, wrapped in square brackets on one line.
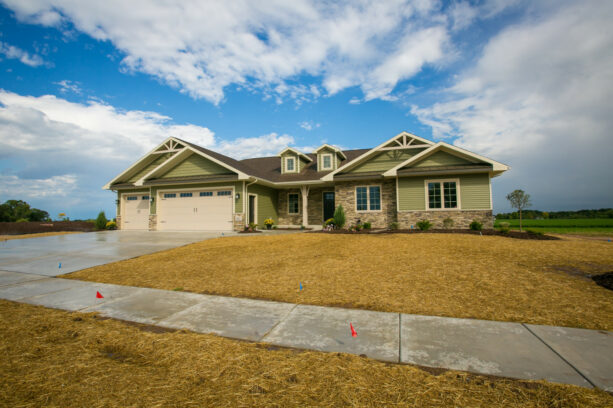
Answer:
[(536, 214), (20, 211)]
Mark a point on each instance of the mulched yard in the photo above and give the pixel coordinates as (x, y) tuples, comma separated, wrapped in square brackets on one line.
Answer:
[(62, 359), (489, 232), (456, 275), (38, 235)]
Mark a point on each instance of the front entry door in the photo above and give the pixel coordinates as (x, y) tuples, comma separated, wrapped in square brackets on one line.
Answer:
[(252, 209), (328, 205)]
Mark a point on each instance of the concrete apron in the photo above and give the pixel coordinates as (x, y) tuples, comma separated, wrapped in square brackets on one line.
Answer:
[(565, 355)]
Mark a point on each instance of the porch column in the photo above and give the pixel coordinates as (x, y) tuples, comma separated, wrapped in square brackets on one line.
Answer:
[(305, 205)]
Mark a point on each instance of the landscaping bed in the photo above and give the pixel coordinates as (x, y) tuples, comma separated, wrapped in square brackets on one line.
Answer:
[(605, 280), (62, 359), (17, 228), (453, 275), (488, 232)]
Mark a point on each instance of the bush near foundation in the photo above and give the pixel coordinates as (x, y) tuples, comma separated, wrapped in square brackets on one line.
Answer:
[(424, 225), (476, 226)]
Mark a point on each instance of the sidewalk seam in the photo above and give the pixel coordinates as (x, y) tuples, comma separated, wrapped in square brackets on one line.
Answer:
[(278, 323), (560, 355)]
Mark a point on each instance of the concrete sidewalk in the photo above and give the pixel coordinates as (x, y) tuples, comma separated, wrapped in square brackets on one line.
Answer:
[(565, 355)]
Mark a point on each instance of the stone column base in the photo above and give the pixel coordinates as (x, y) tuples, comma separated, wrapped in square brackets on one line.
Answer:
[(153, 222), (461, 219), (118, 221), (238, 222)]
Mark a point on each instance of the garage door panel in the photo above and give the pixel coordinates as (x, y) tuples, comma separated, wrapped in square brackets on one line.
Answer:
[(135, 212), (195, 213)]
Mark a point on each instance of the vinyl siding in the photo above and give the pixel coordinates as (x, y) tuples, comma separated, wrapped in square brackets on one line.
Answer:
[(474, 191), (161, 158), (320, 159), (196, 165), (266, 203), (238, 188), (385, 161), (441, 159), (297, 162)]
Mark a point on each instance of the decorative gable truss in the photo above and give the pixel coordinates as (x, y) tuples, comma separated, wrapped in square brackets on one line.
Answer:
[(169, 146), (401, 141)]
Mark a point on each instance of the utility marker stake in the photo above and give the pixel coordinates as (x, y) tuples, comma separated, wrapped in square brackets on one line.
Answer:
[(353, 332), (59, 266), (99, 295), (300, 286)]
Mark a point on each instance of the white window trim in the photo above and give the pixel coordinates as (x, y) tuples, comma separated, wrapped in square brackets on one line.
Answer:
[(441, 181), (293, 213), (331, 161), (295, 165), (355, 198)]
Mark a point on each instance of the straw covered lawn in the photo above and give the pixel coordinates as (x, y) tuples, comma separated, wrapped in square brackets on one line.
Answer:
[(62, 359), (37, 235), (458, 275)]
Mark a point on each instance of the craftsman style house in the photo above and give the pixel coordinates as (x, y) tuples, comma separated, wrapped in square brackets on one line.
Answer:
[(182, 186)]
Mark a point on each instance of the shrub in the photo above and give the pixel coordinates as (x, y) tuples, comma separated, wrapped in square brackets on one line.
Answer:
[(252, 226), (535, 232), (22, 220), (101, 221), (274, 227), (424, 225), (504, 227), (476, 226), (367, 225), (447, 223), (328, 222), (393, 226), (111, 225), (339, 217), (356, 227)]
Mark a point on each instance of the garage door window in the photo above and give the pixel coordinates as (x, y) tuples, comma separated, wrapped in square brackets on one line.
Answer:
[(224, 193), (206, 194), (170, 195), (186, 194), (132, 198), (144, 198)]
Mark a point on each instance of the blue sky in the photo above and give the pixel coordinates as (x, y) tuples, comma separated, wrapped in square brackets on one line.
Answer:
[(87, 88)]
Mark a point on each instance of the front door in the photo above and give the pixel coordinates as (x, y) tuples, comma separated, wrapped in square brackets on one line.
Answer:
[(252, 215), (328, 205)]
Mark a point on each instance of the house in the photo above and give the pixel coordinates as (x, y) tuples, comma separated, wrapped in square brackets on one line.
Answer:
[(182, 186)]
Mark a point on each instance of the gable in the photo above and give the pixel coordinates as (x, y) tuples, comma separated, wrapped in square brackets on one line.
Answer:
[(441, 158), (157, 160), (385, 160), (195, 165)]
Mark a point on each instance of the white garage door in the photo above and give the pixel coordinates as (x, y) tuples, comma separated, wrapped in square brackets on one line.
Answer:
[(135, 212), (195, 210)]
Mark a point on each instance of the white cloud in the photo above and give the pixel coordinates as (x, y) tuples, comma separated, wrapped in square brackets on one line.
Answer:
[(12, 52), (309, 125), (24, 189), (67, 86), (261, 146), (262, 45), (539, 99)]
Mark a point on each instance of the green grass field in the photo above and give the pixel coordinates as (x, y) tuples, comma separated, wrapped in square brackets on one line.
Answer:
[(588, 226)]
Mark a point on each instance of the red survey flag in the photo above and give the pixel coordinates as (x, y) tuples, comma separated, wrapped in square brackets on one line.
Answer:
[(99, 295), (353, 332)]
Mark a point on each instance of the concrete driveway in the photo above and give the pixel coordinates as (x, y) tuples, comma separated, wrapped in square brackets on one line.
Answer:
[(43, 256)]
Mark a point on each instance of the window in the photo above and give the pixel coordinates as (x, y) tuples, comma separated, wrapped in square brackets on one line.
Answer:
[(290, 164), (183, 195), (144, 197), (292, 203), (442, 194), (368, 198), (206, 194), (132, 198), (326, 162), (170, 195), (224, 193)]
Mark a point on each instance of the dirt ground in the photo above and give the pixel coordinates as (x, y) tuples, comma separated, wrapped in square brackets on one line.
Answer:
[(38, 235), (456, 275), (54, 358)]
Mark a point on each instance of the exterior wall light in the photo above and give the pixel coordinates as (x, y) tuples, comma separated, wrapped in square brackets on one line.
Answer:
[(238, 195), (151, 199)]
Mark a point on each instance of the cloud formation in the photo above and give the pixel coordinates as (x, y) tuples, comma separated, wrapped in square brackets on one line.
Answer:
[(12, 52), (538, 98), (203, 47)]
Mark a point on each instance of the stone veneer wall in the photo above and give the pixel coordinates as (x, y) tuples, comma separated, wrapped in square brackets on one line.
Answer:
[(153, 222), (284, 217), (118, 221), (461, 218), (345, 196), (238, 225), (316, 205)]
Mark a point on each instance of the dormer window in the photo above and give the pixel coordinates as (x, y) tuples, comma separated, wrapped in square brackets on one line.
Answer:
[(290, 164), (326, 162)]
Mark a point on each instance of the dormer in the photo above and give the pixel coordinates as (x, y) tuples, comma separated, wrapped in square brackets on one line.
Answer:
[(293, 161), (329, 157)]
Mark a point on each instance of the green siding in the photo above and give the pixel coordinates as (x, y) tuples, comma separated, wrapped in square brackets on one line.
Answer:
[(474, 191), (385, 161), (266, 203), (161, 158), (196, 165), (238, 188), (326, 150), (442, 159)]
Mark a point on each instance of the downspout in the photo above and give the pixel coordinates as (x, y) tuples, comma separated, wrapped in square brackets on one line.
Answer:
[(245, 199)]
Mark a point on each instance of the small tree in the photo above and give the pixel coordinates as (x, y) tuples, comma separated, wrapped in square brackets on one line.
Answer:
[(101, 221), (520, 200), (339, 217)]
